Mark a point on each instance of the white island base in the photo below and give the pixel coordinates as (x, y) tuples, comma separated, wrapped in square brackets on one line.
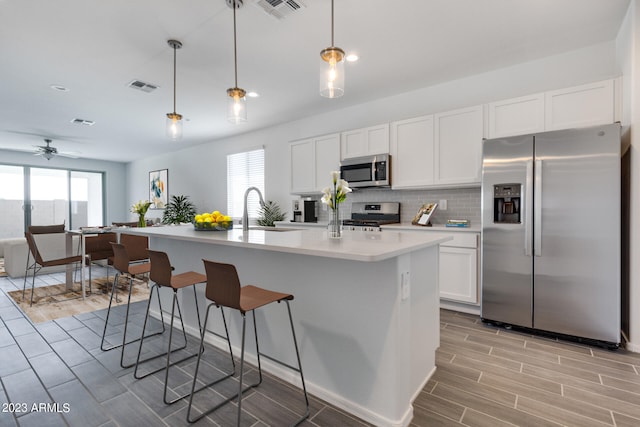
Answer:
[(366, 309)]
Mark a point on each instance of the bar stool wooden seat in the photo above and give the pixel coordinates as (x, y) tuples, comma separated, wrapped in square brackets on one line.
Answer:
[(224, 290), (123, 266), (162, 276)]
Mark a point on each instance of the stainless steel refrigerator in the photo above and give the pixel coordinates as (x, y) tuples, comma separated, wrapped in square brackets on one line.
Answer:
[(551, 232)]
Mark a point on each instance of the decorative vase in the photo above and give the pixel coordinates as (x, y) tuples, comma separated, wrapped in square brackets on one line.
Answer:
[(141, 221), (335, 225)]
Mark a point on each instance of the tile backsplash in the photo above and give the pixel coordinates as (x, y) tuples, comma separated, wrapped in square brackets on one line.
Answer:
[(462, 203)]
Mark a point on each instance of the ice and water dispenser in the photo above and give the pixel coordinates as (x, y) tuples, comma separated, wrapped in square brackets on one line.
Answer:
[(507, 203)]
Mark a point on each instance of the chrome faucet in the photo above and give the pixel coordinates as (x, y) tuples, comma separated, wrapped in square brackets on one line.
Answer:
[(245, 215)]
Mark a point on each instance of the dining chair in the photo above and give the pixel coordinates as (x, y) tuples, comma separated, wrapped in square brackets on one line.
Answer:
[(98, 248), (38, 263)]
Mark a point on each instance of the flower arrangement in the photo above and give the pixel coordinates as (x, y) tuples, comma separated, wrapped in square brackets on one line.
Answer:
[(332, 197), (338, 194), (141, 209)]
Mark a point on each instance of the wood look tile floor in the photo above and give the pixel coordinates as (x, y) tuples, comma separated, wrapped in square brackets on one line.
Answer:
[(485, 377), (489, 376)]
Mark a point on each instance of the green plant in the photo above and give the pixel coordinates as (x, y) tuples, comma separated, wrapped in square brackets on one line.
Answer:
[(178, 210), (269, 213)]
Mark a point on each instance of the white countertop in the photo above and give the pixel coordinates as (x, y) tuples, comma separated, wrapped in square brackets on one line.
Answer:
[(397, 227), (439, 227), (354, 245)]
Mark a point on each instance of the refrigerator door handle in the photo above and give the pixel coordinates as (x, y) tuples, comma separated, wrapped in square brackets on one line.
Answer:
[(526, 209), (537, 210)]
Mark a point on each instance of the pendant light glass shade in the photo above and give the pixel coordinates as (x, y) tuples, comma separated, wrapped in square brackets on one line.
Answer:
[(332, 69), (174, 126), (236, 105), (174, 120), (332, 72)]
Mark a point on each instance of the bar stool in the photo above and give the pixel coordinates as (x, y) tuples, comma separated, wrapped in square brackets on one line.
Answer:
[(224, 290), (162, 276), (123, 266)]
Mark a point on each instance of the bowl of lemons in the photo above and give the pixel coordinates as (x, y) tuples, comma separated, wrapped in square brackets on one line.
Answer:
[(214, 221)]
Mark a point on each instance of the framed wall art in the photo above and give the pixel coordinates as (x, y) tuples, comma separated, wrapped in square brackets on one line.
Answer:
[(158, 188)]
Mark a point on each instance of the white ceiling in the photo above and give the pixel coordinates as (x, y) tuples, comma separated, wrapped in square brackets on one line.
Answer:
[(95, 48)]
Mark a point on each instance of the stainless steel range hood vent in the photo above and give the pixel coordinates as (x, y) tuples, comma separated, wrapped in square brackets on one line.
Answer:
[(279, 9)]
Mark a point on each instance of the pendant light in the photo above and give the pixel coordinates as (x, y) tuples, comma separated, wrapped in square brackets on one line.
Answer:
[(174, 120), (332, 69), (237, 102)]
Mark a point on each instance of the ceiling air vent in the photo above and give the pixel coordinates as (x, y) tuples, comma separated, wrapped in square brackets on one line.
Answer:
[(140, 85), (280, 9), (83, 122)]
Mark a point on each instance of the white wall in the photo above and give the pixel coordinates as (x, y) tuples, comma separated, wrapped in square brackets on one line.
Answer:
[(116, 178), (628, 57)]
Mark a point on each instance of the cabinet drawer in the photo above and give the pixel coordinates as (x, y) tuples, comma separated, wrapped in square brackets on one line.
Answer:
[(462, 240)]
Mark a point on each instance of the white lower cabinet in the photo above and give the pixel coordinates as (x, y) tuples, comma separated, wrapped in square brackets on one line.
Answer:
[(459, 274)]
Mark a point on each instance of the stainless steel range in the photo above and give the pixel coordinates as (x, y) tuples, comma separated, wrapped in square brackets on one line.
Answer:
[(366, 216)]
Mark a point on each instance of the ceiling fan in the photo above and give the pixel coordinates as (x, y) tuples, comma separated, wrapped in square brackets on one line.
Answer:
[(49, 152)]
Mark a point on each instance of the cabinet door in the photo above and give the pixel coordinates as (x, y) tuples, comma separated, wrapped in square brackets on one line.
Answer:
[(459, 274), (302, 166), (327, 159), (516, 116), (586, 105), (458, 146), (352, 144), (377, 139), (365, 142), (412, 152)]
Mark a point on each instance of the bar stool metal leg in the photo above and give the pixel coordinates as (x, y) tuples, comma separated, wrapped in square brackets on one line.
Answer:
[(169, 363), (241, 388), (126, 321), (224, 376)]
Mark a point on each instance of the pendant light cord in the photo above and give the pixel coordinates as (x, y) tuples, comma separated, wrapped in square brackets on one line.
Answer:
[(331, 23), (235, 50), (174, 78)]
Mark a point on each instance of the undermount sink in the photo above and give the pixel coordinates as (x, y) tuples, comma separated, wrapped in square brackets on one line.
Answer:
[(272, 228)]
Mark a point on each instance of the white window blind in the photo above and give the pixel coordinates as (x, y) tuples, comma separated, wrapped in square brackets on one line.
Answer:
[(244, 170)]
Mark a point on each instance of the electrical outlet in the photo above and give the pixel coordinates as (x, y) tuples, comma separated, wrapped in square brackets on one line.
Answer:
[(405, 286), (442, 205)]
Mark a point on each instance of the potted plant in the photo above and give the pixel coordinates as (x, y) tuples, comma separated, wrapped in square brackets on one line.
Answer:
[(269, 213), (179, 210)]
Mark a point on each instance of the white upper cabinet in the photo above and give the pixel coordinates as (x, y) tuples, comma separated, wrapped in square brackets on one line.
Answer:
[(412, 152), (458, 146), (365, 142), (586, 105), (579, 106), (302, 166), (517, 116), (312, 160), (327, 159)]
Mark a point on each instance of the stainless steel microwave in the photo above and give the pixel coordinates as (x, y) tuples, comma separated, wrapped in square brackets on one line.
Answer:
[(370, 171)]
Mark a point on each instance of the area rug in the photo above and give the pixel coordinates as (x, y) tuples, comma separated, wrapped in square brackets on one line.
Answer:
[(53, 302), (2, 272)]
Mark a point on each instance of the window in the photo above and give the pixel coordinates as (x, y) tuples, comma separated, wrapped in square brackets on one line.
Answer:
[(244, 170), (41, 196)]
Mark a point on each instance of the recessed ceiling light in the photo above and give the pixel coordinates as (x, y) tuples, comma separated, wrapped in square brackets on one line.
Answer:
[(352, 57), (253, 94), (59, 88)]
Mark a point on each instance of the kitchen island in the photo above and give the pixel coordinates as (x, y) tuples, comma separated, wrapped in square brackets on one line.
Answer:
[(366, 308)]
